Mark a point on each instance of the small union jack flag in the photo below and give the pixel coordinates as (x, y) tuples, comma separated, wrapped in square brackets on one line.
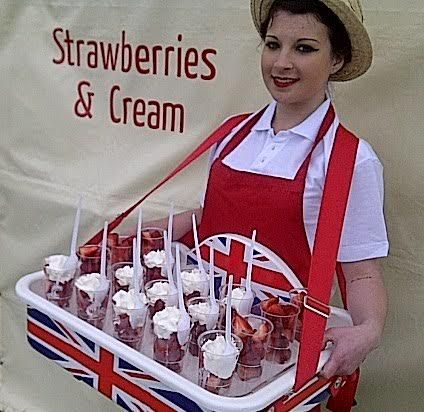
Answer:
[(270, 274)]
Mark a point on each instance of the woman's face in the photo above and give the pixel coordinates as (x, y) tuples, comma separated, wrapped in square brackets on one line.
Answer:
[(297, 60)]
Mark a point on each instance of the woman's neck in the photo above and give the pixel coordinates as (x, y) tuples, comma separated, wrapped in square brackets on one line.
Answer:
[(288, 116)]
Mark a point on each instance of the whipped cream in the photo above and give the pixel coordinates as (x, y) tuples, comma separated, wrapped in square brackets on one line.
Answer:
[(125, 275), (237, 296), (55, 269), (159, 290), (165, 322), (201, 312), (155, 258), (195, 281), (214, 359), (94, 285), (132, 304)]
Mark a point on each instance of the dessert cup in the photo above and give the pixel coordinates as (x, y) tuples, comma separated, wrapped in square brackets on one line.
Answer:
[(284, 318), (120, 248), (122, 276), (167, 348), (297, 297), (158, 296), (255, 332), (151, 239), (89, 258), (92, 301), (194, 283), (201, 320), (154, 265), (216, 370), (128, 325), (59, 283), (237, 300)]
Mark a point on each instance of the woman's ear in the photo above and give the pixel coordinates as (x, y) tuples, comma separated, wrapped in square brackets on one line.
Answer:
[(338, 62)]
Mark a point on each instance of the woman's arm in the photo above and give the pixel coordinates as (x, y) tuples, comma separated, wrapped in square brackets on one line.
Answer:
[(182, 222), (367, 304)]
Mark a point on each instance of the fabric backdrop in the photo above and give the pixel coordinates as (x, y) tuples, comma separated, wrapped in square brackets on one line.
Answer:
[(78, 119)]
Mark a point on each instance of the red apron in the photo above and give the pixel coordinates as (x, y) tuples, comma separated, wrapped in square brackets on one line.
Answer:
[(238, 202)]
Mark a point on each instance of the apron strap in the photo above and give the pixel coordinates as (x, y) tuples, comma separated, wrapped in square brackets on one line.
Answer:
[(325, 251), (221, 132)]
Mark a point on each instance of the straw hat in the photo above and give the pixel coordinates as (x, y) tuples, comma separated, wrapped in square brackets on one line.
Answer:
[(350, 14)]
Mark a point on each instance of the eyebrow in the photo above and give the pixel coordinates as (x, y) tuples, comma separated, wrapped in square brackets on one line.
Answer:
[(301, 39)]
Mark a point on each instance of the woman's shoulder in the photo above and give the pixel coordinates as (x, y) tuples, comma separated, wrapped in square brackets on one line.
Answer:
[(366, 153)]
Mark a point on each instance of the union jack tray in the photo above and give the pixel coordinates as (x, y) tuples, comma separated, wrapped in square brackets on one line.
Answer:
[(135, 381)]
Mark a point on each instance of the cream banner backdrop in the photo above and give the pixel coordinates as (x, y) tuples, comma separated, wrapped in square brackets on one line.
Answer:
[(104, 98)]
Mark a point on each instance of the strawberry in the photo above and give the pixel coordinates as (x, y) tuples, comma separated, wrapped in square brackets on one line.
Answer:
[(280, 309), (128, 241), (262, 333), (241, 326), (89, 251), (266, 304)]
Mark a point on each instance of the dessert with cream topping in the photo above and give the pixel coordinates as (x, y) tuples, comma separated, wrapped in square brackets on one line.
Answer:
[(92, 298), (166, 347), (158, 296), (216, 367), (89, 257), (130, 310), (202, 319), (238, 301), (123, 276), (195, 283), (151, 239), (155, 263), (59, 280)]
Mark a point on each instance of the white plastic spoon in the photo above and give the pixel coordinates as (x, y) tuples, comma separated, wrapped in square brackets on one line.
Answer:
[(214, 310), (172, 289), (196, 245), (72, 260), (184, 322), (246, 303), (137, 264), (229, 346)]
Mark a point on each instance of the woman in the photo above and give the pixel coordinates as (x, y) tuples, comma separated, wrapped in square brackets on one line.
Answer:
[(271, 176)]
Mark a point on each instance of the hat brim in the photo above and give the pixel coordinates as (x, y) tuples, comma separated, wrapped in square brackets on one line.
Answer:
[(360, 41)]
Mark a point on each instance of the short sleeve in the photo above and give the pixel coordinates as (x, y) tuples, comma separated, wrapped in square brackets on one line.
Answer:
[(364, 234)]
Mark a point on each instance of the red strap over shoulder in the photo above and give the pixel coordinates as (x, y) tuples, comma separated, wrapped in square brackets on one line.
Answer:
[(326, 246), (221, 132)]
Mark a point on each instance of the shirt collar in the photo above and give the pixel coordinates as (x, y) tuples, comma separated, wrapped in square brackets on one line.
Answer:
[(308, 128)]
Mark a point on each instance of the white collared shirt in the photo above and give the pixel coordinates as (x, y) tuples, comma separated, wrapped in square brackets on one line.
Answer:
[(263, 152)]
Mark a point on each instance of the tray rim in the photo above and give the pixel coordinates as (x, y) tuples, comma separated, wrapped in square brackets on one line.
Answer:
[(258, 400)]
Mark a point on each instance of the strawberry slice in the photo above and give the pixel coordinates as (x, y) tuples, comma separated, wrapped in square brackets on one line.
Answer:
[(262, 332), (267, 303), (112, 239), (241, 325), (279, 309), (89, 251)]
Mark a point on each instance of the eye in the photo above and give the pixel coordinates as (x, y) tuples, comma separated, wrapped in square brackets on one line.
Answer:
[(306, 48), (272, 45)]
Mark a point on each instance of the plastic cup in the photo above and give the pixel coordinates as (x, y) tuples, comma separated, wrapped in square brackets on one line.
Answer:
[(59, 285), (255, 346), (128, 325), (151, 239), (216, 371), (191, 288), (200, 320), (157, 302), (280, 344), (169, 352), (122, 282), (297, 297), (236, 303), (122, 251), (89, 258), (92, 305)]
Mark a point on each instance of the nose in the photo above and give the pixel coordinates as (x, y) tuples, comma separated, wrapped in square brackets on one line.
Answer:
[(284, 60)]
